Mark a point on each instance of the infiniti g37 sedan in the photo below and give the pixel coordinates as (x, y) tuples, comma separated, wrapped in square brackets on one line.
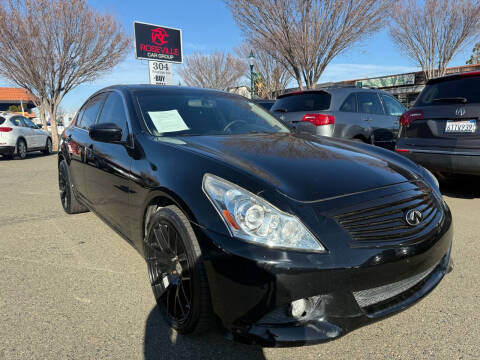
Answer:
[(283, 238)]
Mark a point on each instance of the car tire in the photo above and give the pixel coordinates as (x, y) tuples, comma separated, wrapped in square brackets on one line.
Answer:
[(70, 203), (48, 147), (21, 150), (176, 272)]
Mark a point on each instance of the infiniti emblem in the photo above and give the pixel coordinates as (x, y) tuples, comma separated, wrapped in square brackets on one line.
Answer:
[(460, 111), (413, 217)]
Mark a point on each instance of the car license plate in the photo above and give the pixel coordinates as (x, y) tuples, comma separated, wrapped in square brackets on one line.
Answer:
[(465, 126)]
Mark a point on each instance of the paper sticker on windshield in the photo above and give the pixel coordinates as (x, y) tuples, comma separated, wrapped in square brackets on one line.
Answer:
[(167, 121)]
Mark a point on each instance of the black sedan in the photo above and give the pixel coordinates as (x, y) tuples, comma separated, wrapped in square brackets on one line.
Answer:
[(442, 130), (285, 238)]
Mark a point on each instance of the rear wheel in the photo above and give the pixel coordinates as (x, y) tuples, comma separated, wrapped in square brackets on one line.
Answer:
[(176, 271), (21, 149), (69, 202), (48, 147)]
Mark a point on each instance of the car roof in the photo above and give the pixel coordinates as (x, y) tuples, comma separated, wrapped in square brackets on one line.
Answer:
[(167, 89), (453, 77), (334, 90)]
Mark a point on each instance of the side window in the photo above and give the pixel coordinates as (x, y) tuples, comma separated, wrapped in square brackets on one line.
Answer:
[(29, 123), (350, 104), (392, 106), (368, 102), (90, 112), (113, 112), (17, 121), (78, 119)]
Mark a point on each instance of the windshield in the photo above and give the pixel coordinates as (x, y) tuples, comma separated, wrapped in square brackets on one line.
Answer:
[(461, 90), (205, 114)]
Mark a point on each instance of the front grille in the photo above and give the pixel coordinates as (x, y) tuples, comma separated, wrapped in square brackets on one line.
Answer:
[(369, 297), (384, 219)]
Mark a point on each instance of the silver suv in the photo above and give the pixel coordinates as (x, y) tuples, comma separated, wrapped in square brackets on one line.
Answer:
[(360, 114)]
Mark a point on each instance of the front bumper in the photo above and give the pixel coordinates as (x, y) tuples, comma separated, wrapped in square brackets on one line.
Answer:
[(7, 150), (457, 162), (252, 287)]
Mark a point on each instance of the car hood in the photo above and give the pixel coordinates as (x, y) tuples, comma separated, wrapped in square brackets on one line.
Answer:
[(307, 168)]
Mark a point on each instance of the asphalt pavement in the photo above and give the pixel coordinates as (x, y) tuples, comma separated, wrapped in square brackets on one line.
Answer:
[(70, 288)]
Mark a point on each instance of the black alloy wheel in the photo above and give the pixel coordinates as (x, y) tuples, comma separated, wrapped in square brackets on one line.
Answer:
[(176, 271), (21, 149), (48, 147)]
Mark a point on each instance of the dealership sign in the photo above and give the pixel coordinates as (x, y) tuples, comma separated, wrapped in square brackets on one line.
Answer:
[(161, 73), (155, 42)]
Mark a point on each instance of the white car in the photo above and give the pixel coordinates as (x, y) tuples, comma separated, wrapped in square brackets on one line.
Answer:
[(19, 135)]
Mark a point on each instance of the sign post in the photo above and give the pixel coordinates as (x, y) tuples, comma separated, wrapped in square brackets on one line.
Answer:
[(160, 73)]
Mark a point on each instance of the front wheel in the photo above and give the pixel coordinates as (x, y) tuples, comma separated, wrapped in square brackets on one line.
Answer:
[(176, 271)]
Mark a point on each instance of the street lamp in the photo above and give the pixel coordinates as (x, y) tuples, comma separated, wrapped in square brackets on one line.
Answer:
[(251, 59)]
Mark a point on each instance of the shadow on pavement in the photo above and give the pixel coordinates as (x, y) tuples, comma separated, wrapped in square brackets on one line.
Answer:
[(163, 343), (461, 186), (31, 155)]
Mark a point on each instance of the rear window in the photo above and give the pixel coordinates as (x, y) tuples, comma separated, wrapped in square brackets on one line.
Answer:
[(303, 102), (446, 92)]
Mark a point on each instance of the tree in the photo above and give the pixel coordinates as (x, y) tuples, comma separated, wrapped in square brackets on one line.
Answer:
[(216, 71), (272, 77), (306, 35), (431, 32), (49, 47), (15, 108), (475, 57)]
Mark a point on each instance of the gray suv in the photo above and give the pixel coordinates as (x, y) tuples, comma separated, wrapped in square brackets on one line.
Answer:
[(359, 114)]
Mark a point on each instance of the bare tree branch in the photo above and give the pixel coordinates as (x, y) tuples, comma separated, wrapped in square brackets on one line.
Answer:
[(60, 45), (216, 71), (431, 32), (306, 35), (274, 77)]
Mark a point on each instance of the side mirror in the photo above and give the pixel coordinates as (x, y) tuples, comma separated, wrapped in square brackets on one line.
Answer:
[(107, 132)]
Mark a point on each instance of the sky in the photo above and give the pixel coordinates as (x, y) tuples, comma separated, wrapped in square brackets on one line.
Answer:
[(208, 26)]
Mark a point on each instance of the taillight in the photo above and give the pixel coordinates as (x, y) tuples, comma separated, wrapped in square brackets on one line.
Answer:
[(5, 129), (411, 115), (319, 119)]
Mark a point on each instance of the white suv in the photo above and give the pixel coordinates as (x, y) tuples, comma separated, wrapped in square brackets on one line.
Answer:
[(19, 135)]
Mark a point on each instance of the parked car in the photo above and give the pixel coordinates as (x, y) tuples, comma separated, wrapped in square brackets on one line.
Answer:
[(242, 220), (19, 135), (266, 104), (60, 127), (442, 130), (359, 114)]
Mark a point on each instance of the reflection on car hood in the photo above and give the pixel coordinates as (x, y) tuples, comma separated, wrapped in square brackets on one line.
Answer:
[(307, 168)]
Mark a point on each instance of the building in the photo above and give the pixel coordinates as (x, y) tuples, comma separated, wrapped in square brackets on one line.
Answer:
[(15, 96), (405, 87)]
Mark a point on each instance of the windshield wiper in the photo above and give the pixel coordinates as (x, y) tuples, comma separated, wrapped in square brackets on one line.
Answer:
[(461, 100), (281, 110)]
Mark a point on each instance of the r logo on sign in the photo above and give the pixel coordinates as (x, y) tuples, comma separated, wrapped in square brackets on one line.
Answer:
[(158, 36)]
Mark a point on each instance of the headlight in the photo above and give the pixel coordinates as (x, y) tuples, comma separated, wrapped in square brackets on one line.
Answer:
[(251, 218)]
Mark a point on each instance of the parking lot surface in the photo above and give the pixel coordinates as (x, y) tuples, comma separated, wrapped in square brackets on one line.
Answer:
[(70, 288)]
